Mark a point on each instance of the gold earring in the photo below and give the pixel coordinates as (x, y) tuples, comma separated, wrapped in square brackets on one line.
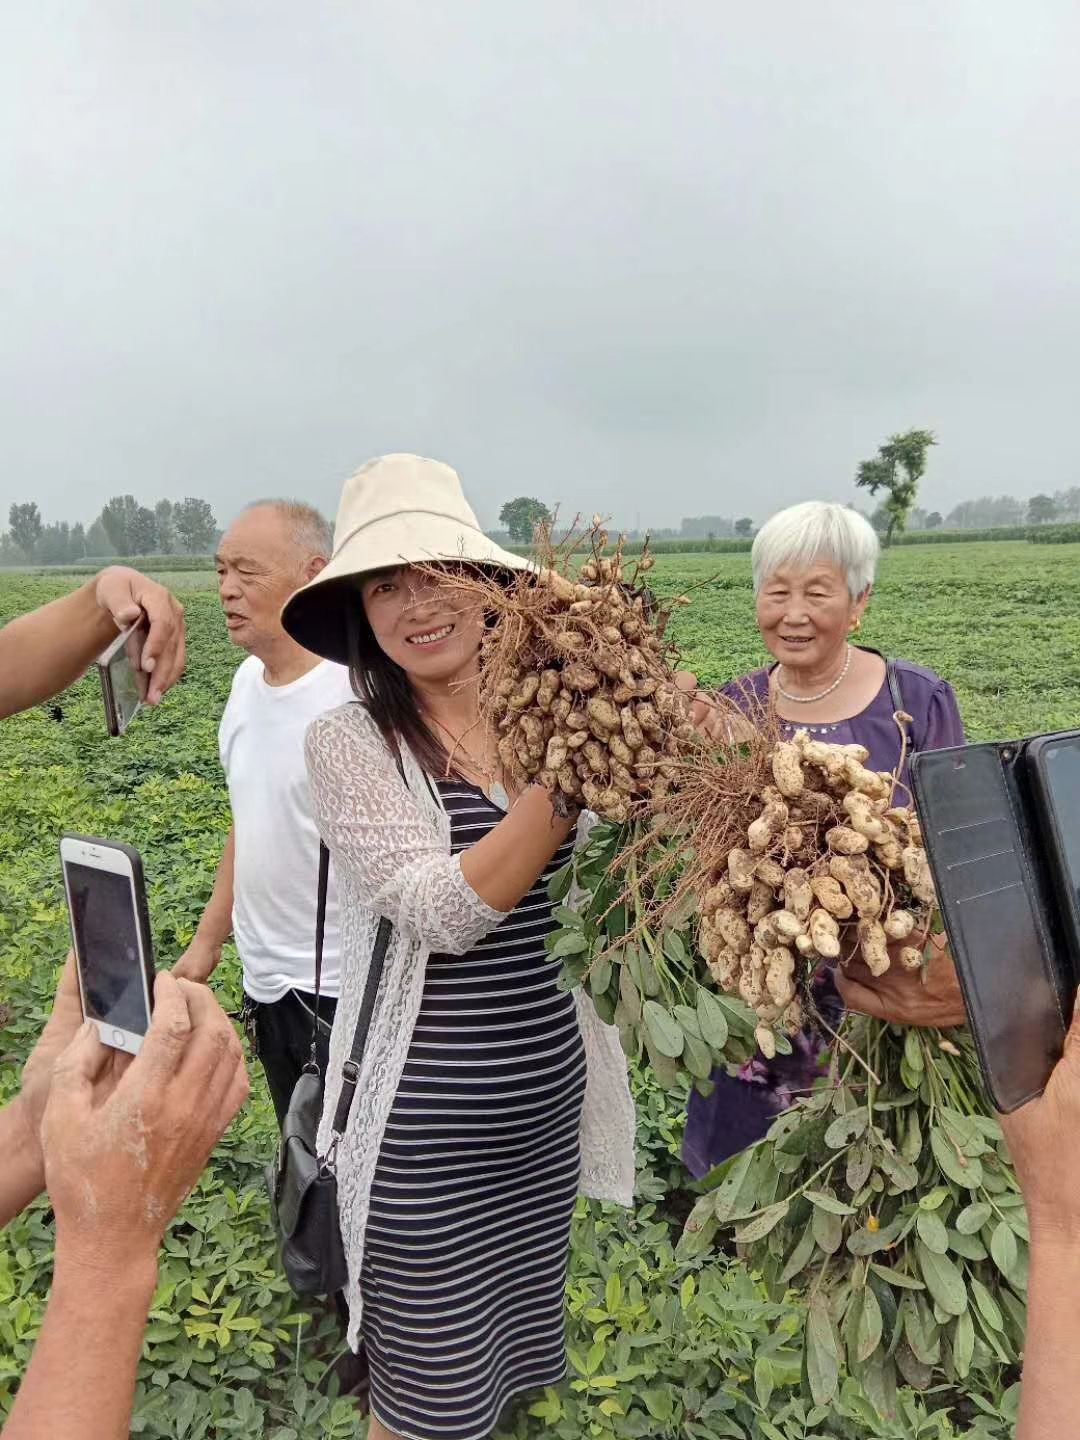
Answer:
[(857, 624)]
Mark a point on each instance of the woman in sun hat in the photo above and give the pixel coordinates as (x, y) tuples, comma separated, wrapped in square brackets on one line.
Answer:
[(487, 1095), (813, 568)]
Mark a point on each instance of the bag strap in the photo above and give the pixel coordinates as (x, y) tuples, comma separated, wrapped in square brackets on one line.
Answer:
[(892, 674), (350, 1071), (320, 935)]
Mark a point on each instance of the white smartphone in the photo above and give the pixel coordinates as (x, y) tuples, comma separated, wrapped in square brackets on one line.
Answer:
[(110, 929)]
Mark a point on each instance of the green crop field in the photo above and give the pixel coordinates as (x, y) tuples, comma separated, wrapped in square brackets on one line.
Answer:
[(664, 1342)]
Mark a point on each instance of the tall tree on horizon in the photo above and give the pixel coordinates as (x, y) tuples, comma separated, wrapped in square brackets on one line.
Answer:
[(118, 518), (521, 517), (897, 469), (195, 524), (24, 522)]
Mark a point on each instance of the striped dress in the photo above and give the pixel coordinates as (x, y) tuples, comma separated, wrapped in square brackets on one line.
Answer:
[(467, 1239)]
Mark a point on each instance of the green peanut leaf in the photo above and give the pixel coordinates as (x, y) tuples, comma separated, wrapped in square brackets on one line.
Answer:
[(559, 884), (828, 1230), (963, 1344), (932, 1232), (712, 1020), (763, 1381), (959, 1168), (895, 1277), (934, 1199), (920, 1332), (987, 1306), (697, 1057), (969, 1246), (822, 1352), (687, 1020), (758, 1228), (629, 994), (800, 1256), (567, 917), (824, 1200), (971, 1219), (943, 1280), (860, 1162), (846, 1128), (569, 942), (663, 1031), (1004, 1250), (600, 978), (870, 1325)]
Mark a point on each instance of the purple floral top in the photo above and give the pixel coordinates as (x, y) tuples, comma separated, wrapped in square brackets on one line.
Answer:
[(742, 1107)]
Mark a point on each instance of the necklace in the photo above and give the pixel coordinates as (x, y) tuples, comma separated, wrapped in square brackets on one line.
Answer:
[(811, 699), (495, 789)]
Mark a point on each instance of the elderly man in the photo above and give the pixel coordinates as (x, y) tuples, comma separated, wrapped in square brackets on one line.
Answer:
[(267, 880)]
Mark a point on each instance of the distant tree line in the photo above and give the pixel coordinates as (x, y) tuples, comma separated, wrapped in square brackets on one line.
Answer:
[(123, 528), (520, 518)]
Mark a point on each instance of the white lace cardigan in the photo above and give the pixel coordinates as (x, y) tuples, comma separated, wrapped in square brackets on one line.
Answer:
[(390, 846)]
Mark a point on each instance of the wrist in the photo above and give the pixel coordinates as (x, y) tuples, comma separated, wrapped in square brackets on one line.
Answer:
[(97, 1263), (28, 1138)]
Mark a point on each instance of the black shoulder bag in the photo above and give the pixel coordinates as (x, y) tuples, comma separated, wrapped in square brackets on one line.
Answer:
[(303, 1183)]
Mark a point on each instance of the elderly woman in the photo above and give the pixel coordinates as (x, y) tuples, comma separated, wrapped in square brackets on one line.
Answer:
[(813, 571)]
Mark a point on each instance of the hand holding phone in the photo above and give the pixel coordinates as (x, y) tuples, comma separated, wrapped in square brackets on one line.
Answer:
[(110, 930)]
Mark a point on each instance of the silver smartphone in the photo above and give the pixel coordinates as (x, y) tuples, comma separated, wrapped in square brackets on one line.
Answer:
[(124, 683), (110, 930)]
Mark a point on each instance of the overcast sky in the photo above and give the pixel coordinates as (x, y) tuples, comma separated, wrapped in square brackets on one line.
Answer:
[(656, 260)]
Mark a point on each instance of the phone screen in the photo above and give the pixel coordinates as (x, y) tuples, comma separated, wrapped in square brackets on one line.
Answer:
[(128, 681), (107, 945), (1061, 759)]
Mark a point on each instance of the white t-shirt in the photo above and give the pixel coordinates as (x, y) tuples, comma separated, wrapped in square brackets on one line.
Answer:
[(276, 870)]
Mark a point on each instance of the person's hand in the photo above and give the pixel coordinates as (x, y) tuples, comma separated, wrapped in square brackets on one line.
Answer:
[(904, 997), (127, 596), (118, 1168), (1041, 1137), (718, 722), (63, 1024), (198, 962)]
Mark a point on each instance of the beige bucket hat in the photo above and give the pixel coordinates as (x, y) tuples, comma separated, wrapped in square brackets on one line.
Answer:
[(395, 510)]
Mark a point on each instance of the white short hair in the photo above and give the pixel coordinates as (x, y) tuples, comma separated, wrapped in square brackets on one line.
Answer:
[(817, 531), (308, 529)]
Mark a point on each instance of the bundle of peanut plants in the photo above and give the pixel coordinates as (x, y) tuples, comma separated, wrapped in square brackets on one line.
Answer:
[(576, 675), (885, 1193)]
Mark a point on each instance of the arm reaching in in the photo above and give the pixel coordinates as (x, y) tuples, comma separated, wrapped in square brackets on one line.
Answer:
[(201, 958), (379, 835), (1042, 1138), (118, 1168), (46, 651)]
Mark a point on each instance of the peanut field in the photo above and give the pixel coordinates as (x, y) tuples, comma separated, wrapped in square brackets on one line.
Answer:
[(664, 1341)]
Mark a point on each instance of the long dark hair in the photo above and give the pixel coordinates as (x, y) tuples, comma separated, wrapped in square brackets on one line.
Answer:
[(384, 688)]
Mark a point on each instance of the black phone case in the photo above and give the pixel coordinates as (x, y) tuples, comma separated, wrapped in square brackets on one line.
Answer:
[(142, 913), (999, 913), (1045, 811)]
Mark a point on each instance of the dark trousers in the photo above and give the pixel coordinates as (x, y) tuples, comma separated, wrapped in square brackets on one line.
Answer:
[(280, 1034)]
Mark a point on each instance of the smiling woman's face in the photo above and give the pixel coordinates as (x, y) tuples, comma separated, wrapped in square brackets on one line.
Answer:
[(420, 626), (805, 615)]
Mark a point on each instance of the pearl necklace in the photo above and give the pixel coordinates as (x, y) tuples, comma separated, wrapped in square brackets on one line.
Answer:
[(812, 699)]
